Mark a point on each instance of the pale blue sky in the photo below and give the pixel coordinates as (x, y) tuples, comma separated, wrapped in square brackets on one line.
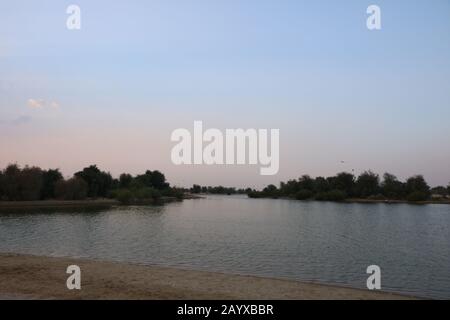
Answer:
[(137, 70)]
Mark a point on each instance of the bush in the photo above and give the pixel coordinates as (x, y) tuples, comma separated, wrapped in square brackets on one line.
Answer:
[(144, 193), (377, 197), (333, 195), (124, 196), (304, 195), (417, 196), (254, 195)]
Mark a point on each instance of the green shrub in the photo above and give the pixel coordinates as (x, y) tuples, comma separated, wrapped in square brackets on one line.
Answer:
[(124, 196), (333, 195), (304, 194), (144, 193), (417, 196), (377, 197)]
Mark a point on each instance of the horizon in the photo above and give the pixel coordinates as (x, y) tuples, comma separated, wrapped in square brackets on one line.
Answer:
[(380, 176), (344, 98)]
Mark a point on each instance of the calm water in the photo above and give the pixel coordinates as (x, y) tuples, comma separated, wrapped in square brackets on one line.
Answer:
[(323, 242)]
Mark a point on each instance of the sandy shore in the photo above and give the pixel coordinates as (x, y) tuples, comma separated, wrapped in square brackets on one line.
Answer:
[(33, 277)]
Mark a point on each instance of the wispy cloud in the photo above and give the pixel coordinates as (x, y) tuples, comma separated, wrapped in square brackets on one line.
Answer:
[(17, 121), (41, 103), (21, 120)]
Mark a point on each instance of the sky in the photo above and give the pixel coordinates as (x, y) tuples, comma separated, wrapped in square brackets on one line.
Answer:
[(343, 97)]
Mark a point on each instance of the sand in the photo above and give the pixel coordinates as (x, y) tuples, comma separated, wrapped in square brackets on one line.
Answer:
[(35, 277)]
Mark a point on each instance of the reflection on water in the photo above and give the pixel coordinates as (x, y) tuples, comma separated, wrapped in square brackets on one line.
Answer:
[(324, 242)]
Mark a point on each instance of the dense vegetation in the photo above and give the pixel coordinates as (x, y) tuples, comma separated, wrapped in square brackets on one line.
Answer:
[(346, 186), (218, 190), (33, 183)]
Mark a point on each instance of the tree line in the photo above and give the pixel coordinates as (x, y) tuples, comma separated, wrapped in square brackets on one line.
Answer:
[(344, 185), (218, 190), (33, 183)]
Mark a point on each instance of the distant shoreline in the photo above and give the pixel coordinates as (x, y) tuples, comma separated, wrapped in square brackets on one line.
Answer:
[(91, 203), (38, 277), (44, 204), (368, 201), (108, 203), (397, 201)]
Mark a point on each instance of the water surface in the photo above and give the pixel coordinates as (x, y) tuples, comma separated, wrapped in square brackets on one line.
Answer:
[(312, 241)]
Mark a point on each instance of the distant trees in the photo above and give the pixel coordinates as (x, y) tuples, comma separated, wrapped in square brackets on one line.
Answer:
[(125, 180), (367, 184), (417, 184), (343, 181), (152, 179), (33, 183), (73, 189), (344, 185), (439, 191), (18, 184), (50, 178), (217, 190), (196, 188), (150, 186), (99, 182), (391, 188)]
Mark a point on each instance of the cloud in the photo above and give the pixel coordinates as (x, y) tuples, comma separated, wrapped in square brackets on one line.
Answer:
[(21, 120), (17, 121), (40, 104), (36, 103)]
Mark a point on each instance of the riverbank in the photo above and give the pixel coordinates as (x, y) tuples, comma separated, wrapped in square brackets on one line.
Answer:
[(83, 204), (368, 201), (57, 204), (397, 201), (35, 277)]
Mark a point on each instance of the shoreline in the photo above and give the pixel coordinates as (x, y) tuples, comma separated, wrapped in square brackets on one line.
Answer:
[(367, 201), (108, 203), (79, 204), (40, 277), (57, 204)]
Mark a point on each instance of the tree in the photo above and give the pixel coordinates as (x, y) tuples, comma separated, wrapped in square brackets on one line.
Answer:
[(153, 179), (2, 183), (321, 185), (99, 183), (11, 182), (73, 189), (196, 188), (343, 181), (289, 188), (440, 190), (417, 184), (30, 183), (50, 178), (391, 188), (306, 183), (125, 180), (270, 191), (367, 184), (158, 180)]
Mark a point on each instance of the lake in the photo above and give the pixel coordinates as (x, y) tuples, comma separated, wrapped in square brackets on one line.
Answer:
[(310, 241)]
